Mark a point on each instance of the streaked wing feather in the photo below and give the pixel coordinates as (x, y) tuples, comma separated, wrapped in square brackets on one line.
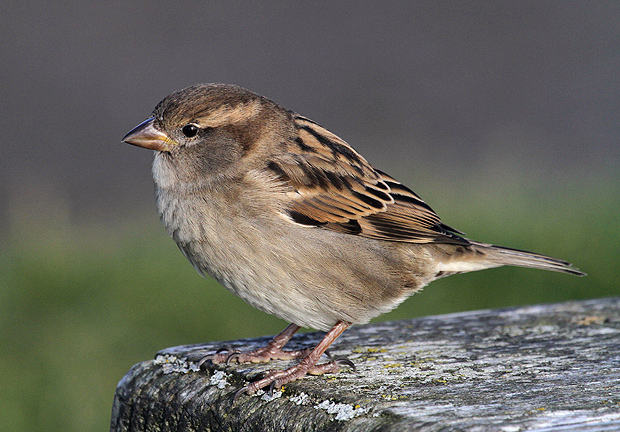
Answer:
[(335, 188)]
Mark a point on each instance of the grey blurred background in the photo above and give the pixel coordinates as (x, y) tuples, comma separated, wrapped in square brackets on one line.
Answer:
[(503, 115), (446, 89)]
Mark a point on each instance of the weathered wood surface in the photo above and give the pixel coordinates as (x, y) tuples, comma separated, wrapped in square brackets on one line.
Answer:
[(539, 368)]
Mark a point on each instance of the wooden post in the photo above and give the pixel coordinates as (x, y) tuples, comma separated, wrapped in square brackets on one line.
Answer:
[(549, 367)]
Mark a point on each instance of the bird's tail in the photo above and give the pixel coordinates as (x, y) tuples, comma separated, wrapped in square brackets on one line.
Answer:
[(515, 257), (479, 256)]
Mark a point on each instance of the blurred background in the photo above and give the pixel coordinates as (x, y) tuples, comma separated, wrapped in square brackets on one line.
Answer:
[(502, 115)]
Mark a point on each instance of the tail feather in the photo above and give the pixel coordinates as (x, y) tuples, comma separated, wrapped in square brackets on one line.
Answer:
[(500, 255), (479, 256)]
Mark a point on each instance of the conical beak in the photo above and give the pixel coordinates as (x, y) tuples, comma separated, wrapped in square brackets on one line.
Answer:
[(147, 136)]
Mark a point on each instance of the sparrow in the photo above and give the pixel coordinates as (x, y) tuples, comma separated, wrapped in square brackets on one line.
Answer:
[(289, 217)]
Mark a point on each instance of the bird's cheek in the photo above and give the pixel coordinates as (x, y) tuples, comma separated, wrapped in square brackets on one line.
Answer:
[(216, 156)]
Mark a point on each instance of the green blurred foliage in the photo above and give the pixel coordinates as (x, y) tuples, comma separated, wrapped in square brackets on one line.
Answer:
[(79, 305)]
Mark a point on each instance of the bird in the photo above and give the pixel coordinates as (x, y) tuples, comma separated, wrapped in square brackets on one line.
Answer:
[(289, 217)]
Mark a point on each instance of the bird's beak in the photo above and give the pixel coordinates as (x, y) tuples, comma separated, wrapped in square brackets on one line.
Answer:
[(147, 136)]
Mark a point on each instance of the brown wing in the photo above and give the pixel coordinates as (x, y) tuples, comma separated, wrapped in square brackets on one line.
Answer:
[(335, 188)]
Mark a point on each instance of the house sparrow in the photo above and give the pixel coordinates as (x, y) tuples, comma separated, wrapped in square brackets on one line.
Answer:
[(290, 218)]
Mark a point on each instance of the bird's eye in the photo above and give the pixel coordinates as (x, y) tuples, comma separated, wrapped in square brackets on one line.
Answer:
[(189, 130)]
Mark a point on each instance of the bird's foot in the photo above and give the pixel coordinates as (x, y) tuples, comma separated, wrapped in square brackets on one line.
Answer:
[(272, 351), (260, 355), (278, 378)]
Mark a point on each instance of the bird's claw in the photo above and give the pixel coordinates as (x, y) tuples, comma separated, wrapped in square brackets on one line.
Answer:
[(346, 362), (239, 393), (219, 357), (232, 356)]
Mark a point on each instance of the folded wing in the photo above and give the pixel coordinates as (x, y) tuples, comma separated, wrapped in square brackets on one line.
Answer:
[(333, 187)]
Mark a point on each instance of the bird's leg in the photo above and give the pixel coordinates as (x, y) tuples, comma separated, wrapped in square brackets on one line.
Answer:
[(308, 365), (272, 351)]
